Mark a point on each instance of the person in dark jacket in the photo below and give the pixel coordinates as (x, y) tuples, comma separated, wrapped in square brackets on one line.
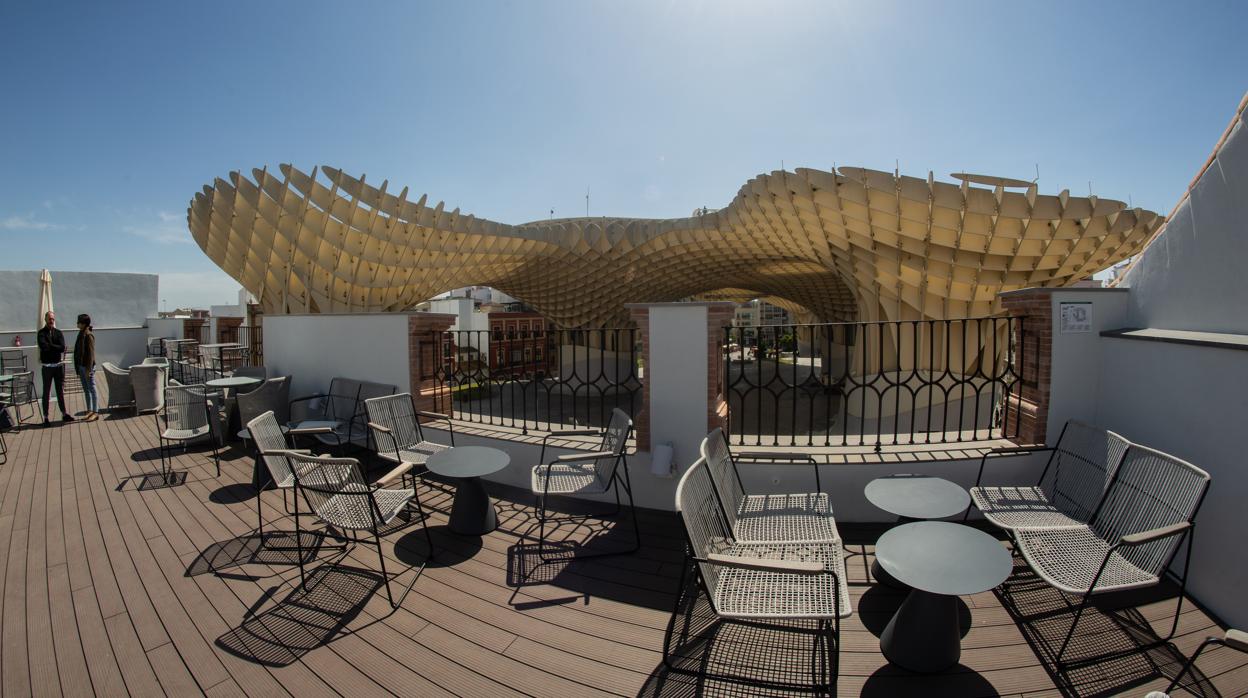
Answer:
[(84, 364), (51, 353)]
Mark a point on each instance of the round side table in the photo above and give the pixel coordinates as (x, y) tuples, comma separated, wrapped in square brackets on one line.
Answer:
[(939, 561), (914, 498), (472, 513)]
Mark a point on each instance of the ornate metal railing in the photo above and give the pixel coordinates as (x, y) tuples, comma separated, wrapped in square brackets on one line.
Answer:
[(538, 379), (872, 383)]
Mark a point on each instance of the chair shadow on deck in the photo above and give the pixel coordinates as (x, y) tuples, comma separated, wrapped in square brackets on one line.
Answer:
[(306, 619), (712, 656), (276, 548), (1111, 653)]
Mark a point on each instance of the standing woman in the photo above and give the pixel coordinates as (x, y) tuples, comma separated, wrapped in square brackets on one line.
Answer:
[(84, 364)]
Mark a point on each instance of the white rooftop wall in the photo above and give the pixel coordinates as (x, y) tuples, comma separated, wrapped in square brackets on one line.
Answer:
[(112, 300)]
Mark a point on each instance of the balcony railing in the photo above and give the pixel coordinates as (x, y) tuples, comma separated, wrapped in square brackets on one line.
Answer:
[(538, 379), (872, 383)]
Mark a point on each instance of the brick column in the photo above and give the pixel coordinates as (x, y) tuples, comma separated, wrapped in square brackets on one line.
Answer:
[(640, 315), (717, 318), (1027, 414), (425, 337)]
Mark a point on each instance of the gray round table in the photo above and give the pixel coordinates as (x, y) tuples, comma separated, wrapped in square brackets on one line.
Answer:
[(939, 561), (233, 382), (472, 513), (914, 498)]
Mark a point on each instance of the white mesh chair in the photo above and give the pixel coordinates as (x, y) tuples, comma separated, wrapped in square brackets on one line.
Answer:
[(266, 432), (337, 494), (187, 416), (148, 382), (1232, 638), (758, 582), (597, 472), (1080, 467), (397, 436), (120, 390), (1148, 510), (756, 518)]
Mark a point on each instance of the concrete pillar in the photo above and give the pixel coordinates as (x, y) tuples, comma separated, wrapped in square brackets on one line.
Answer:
[(681, 346), (426, 335)]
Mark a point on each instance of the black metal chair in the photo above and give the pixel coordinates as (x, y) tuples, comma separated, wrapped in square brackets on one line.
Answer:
[(335, 490), (597, 472)]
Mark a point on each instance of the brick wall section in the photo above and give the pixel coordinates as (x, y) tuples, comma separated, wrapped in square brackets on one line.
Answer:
[(424, 355), (641, 420), (717, 318), (1027, 416)]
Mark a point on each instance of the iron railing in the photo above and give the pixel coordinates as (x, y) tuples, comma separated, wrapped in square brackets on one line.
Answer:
[(537, 379), (873, 383)]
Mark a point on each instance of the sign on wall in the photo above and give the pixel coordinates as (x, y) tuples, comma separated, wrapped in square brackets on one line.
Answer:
[(1076, 317)]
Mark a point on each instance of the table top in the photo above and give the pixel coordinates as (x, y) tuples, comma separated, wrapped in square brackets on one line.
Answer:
[(917, 496), (941, 557), (233, 382), (468, 461), (220, 345)]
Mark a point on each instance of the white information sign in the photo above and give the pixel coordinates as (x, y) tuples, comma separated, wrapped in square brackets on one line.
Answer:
[(1076, 317)]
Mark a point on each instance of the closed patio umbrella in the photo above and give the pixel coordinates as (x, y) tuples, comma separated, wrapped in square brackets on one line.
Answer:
[(45, 296)]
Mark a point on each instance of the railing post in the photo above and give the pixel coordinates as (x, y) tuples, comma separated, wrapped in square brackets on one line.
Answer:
[(424, 347), (1027, 409), (682, 354)]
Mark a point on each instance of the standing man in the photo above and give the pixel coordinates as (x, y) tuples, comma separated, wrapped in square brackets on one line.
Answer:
[(84, 363), (51, 352)]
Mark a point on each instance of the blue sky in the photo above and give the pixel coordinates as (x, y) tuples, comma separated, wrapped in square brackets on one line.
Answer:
[(112, 115)]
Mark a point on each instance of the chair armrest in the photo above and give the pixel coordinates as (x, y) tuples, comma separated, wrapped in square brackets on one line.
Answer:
[(378, 427), (579, 457), (1007, 451), (306, 398), (286, 452), (565, 432), (758, 563), (311, 430), (432, 415), (394, 474), (1155, 534), (1236, 639)]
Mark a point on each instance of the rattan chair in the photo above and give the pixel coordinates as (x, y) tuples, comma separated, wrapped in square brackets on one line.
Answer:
[(272, 450), (759, 582), (338, 418), (597, 472), (120, 390), (397, 435), (273, 396), (1080, 467), (18, 392), (335, 491), (148, 383), (757, 518), (188, 415), (1134, 533)]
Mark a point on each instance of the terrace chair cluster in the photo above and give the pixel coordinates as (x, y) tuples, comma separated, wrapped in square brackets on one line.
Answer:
[(1105, 515)]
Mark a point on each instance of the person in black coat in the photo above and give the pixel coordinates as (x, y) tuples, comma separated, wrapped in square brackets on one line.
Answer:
[(51, 355)]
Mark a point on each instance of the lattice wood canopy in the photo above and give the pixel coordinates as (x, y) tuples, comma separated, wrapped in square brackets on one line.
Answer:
[(855, 244)]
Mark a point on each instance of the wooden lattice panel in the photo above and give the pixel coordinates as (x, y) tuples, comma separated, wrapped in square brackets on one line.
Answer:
[(856, 244)]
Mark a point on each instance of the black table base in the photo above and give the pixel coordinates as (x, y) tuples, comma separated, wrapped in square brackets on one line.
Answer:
[(472, 513), (925, 634)]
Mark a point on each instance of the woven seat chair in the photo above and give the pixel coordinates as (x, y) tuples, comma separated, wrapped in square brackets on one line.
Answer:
[(1080, 467), (1134, 533), (266, 432), (148, 382), (188, 415), (758, 582), (598, 472), (804, 516), (120, 390), (338, 418), (1232, 638), (18, 392), (397, 435), (335, 491)]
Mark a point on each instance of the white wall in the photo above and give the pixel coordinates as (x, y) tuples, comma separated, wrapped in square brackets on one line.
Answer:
[(1191, 277), (315, 348), (112, 300), (1076, 367), (124, 346), (165, 327), (1190, 401), (677, 374)]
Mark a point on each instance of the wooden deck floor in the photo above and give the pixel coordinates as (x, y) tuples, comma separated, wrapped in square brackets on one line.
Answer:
[(109, 589)]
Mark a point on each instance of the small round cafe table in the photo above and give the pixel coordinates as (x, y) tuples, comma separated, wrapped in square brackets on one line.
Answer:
[(914, 498), (472, 513)]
